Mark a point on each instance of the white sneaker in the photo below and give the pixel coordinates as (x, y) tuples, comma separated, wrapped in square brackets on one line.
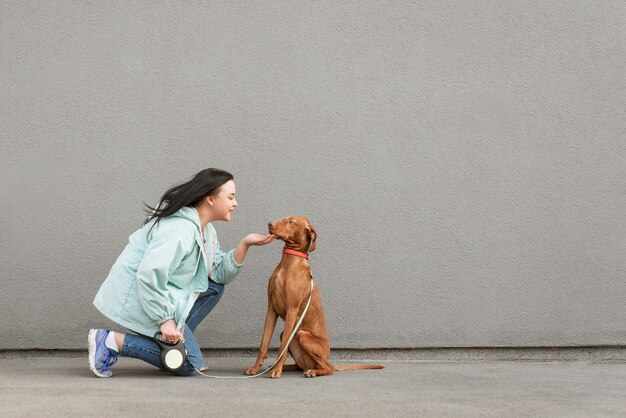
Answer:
[(100, 357)]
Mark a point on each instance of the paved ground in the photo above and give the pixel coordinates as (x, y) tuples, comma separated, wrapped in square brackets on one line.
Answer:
[(64, 386)]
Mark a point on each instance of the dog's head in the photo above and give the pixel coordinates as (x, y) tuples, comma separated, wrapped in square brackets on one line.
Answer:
[(296, 231)]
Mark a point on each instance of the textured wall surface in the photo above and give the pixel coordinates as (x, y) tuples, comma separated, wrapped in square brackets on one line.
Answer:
[(463, 162)]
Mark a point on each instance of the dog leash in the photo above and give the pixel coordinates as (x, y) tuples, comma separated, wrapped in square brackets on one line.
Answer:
[(293, 333)]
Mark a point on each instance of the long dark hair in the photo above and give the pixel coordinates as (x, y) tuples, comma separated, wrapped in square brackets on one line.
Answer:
[(203, 184)]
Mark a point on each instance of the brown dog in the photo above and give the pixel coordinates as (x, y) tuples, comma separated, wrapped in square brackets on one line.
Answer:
[(287, 294)]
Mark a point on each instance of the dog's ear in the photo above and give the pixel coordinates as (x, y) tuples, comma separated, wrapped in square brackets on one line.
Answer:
[(312, 233)]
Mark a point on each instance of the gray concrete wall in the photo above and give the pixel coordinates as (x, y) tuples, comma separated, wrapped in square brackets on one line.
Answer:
[(463, 162)]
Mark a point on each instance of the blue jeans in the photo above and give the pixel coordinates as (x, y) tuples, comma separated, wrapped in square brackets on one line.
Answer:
[(146, 349)]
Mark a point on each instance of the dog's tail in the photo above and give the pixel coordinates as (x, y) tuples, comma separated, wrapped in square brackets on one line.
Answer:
[(357, 367)]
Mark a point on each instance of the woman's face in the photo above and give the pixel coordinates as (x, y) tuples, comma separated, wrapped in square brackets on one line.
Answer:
[(224, 202)]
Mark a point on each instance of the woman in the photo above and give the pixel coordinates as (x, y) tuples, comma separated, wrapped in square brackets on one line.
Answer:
[(170, 275)]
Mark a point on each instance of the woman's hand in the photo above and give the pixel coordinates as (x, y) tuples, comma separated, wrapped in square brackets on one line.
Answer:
[(249, 240), (170, 333), (258, 239)]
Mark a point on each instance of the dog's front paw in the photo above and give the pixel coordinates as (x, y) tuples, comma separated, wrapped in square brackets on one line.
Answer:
[(275, 374), (252, 370)]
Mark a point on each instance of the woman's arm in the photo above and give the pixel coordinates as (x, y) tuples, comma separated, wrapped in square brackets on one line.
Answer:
[(227, 265)]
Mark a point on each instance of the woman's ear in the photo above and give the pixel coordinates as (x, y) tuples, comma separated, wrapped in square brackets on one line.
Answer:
[(209, 200), (312, 236)]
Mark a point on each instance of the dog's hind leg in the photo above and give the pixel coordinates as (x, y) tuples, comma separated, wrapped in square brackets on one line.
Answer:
[(316, 350), (302, 362)]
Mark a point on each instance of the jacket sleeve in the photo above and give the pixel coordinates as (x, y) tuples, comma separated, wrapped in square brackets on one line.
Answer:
[(163, 255), (225, 268)]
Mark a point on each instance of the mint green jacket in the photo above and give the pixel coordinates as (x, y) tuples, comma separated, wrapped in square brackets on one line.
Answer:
[(160, 272)]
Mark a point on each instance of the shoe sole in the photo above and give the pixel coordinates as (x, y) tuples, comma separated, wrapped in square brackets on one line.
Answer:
[(91, 341)]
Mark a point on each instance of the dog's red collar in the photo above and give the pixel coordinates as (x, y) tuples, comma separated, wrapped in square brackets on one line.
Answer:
[(294, 252)]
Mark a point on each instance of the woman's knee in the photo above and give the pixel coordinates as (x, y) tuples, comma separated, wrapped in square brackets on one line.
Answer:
[(217, 288)]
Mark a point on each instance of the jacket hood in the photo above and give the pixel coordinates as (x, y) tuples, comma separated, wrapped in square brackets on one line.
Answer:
[(189, 213)]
